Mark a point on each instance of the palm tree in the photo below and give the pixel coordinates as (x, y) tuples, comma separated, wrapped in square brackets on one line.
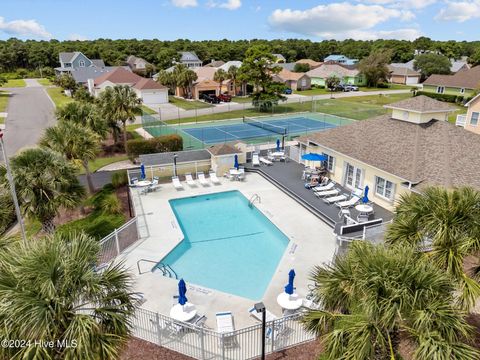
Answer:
[(448, 222), (54, 293), (83, 113), (77, 143), (220, 76), (45, 182), (232, 74), (166, 78), (120, 103), (375, 298)]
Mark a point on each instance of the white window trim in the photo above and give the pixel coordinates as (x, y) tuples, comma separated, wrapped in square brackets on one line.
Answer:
[(442, 88), (81, 63), (471, 117), (334, 161), (462, 91), (355, 171), (383, 196)]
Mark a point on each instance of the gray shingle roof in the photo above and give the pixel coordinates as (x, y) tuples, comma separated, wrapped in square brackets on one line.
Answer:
[(81, 75), (66, 57), (188, 56), (436, 153), (167, 158), (421, 103), (98, 63), (287, 66)]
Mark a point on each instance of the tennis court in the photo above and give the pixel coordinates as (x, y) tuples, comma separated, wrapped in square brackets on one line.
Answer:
[(257, 129)]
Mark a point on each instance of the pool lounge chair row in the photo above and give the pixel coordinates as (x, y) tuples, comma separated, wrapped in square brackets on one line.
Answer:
[(332, 195), (192, 183), (257, 160)]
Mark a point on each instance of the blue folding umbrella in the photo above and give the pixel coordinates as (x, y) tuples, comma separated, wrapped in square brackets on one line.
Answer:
[(278, 144), (182, 290), (142, 172), (235, 164), (289, 289), (314, 157), (365, 195)]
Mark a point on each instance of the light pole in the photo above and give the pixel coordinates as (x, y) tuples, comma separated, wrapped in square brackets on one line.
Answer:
[(260, 308), (12, 190), (175, 164)]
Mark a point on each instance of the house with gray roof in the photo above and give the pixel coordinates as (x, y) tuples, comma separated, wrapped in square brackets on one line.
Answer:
[(80, 66), (189, 59), (405, 151)]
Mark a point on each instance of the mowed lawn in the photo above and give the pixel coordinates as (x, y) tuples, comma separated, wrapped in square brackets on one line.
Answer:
[(58, 97), (4, 96), (100, 162), (44, 82), (188, 104), (14, 83)]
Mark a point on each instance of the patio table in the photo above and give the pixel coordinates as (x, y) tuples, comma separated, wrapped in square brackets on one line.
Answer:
[(183, 312), (143, 183), (289, 302), (364, 209)]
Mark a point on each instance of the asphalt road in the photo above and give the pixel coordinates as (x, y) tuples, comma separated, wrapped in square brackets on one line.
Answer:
[(30, 112)]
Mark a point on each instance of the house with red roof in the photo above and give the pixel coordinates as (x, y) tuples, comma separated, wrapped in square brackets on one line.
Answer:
[(151, 92)]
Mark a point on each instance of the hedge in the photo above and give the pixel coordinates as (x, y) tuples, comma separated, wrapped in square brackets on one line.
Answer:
[(444, 97), (165, 143)]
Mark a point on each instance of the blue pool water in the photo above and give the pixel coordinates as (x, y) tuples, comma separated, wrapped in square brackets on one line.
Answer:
[(228, 245)]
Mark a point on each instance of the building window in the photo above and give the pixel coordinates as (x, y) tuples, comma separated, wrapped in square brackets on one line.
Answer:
[(304, 82), (474, 118), (440, 89), (329, 163), (462, 91), (384, 188), (353, 177), (81, 63)]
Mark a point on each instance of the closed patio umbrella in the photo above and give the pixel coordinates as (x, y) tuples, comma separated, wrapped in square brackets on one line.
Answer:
[(365, 195), (182, 290), (278, 144), (289, 289), (235, 164), (142, 172)]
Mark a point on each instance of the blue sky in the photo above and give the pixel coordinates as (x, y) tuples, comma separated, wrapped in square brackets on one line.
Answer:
[(240, 19)]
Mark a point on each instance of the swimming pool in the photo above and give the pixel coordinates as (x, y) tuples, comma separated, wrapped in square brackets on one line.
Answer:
[(228, 245)]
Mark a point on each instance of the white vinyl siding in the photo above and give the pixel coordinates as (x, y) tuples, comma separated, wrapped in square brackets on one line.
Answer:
[(384, 188)]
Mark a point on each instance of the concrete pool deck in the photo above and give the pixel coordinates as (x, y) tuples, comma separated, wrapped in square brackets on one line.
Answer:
[(312, 242)]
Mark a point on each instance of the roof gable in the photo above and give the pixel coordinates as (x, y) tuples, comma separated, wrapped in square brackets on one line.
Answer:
[(421, 104), (118, 76), (469, 79)]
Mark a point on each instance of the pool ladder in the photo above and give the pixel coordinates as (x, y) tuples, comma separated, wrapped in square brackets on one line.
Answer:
[(164, 268), (253, 198)]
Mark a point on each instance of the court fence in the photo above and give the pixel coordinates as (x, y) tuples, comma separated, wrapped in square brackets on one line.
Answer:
[(204, 343), (166, 171)]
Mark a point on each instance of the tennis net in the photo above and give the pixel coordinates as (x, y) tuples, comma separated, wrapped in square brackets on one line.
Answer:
[(266, 126)]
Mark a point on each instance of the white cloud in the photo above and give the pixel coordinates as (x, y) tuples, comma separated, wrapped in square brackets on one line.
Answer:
[(24, 28), (184, 3), (229, 4), (405, 4), (459, 11), (341, 21), (75, 37)]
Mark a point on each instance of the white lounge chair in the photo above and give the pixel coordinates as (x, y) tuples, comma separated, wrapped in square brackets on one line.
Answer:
[(176, 183), (189, 179), (348, 203), (327, 193), (255, 160), (329, 186), (214, 179), (225, 326), (201, 178), (265, 161), (258, 316), (334, 199)]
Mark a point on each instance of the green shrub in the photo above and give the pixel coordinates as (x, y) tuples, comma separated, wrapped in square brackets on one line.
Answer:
[(441, 97), (111, 204), (159, 144), (119, 179), (7, 211), (96, 225)]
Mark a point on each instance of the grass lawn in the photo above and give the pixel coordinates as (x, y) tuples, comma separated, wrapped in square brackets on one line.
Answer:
[(312, 92), (3, 100), (44, 82), (378, 100), (460, 110), (147, 110), (188, 105), (103, 161), (242, 99), (14, 83), (391, 87), (2, 120), (58, 97)]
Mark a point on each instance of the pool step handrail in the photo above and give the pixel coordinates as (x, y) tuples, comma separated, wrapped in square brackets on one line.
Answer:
[(166, 270), (254, 198), (145, 260)]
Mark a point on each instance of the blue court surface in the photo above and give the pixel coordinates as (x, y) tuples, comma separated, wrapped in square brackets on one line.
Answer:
[(220, 133)]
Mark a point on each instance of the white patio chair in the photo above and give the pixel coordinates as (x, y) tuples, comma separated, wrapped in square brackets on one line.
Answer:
[(190, 181), (201, 179), (255, 159), (334, 199), (176, 183), (348, 203), (214, 179)]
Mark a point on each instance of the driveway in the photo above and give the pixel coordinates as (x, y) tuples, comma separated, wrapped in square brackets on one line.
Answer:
[(30, 112)]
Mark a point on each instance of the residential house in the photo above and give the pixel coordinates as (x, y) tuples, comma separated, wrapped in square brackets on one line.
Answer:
[(457, 65), (215, 63), (70, 61), (148, 90), (403, 75), (347, 75), (287, 66), (463, 83), (470, 120), (404, 152), (189, 59), (312, 63), (137, 64), (293, 80), (340, 59), (279, 58)]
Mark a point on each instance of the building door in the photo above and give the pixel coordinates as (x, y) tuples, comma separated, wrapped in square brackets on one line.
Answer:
[(353, 177)]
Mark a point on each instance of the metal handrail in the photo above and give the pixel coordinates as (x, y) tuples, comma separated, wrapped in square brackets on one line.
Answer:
[(171, 269), (146, 260), (253, 198)]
